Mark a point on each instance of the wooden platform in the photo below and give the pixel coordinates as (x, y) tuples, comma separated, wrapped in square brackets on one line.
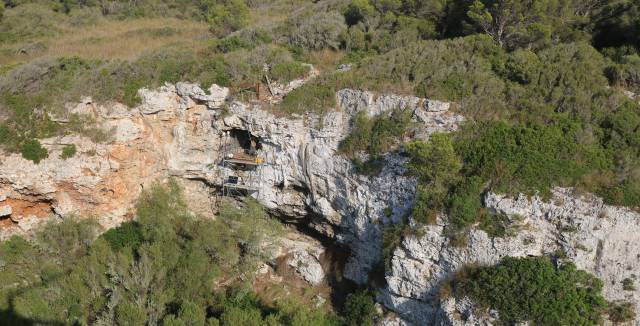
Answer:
[(240, 186), (243, 158)]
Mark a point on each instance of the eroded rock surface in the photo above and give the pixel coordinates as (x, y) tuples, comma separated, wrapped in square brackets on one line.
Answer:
[(303, 172), (181, 131), (598, 238)]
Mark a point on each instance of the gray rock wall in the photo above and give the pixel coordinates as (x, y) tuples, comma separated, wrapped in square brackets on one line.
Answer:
[(598, 238)]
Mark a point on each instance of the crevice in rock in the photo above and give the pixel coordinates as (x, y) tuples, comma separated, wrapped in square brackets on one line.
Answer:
[(17, 209), (241, 140), (332, 260)]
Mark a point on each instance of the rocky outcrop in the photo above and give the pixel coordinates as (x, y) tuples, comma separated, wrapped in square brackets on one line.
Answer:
[(182, 131), (167, 135), (179, 130), (307, 264), (303, 173), (598, 238)]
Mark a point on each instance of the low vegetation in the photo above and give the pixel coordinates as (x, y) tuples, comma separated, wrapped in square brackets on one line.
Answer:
[(359, 309), (535, 290), (32, 150), (167, 267), (68, 151), (543, 88), (371, 137), (621, 312)]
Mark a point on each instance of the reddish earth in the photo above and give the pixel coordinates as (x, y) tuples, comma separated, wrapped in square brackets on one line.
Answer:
[(20, 207)]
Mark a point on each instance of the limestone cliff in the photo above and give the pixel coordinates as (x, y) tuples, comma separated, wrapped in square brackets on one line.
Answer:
[(598, 238), (181, 131)]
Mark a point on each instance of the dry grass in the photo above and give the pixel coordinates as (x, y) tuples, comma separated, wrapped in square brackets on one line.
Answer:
[(325, 60), (270, 13), (111, 39)]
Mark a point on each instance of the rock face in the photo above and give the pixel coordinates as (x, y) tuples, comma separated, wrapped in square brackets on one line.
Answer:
[(303, 176), (598, 238), (178, 131), (182, 131), (308, 266), (167, 135)]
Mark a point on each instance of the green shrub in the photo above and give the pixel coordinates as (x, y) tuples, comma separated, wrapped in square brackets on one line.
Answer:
[(464, 203), (33, 151), (496, 225), (375, 136), (391, 239), (316, 96), (226, 16), (533, 289), (359, 309), (68, 151), (288, 71), (437, 167), (316, 30), (528, 159), (621, 312), (230, 44), (627, 284), (127, 235), (244, 39), (28, 21)]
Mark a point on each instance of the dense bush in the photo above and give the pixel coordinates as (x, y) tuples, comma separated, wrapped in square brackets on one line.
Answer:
[(32, 150), (533, 289), (437, 166), (316, 30), (373, 136), (26, 22), (626, 72), (127, 235), (225, 16), (288, 71), (68, 151), (359, 309), (528, 159)]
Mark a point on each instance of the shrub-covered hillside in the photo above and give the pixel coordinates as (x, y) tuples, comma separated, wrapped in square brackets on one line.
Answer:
[(167, 267), (548, 88)]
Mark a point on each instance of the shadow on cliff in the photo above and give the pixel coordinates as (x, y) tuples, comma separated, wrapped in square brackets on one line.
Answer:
[(9, 316), (333, 260)]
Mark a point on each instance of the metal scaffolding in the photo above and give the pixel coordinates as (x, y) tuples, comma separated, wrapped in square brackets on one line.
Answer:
[(241, 168)]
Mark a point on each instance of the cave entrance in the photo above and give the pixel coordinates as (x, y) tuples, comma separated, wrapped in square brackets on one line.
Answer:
[(241, 162), (242, 141)]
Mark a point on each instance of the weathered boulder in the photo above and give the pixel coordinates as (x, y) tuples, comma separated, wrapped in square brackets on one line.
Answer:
[(308, 266), (154, 101), (215, 99), (5, 210)]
